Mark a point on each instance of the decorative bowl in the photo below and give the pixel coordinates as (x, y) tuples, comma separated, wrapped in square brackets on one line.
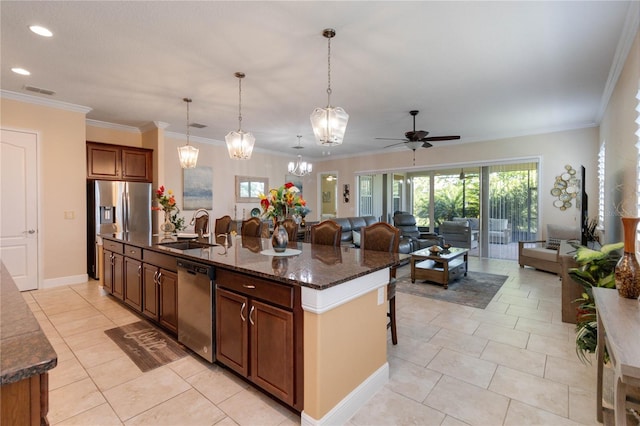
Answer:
[(435, 250)]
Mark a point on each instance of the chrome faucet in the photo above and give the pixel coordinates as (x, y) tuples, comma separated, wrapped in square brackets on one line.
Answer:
[(193, 221)]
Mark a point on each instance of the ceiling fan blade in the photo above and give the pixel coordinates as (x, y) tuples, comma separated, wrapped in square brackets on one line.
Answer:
[(419, 135), (426, 144), (441, 138), (390, 139), (395, 144)]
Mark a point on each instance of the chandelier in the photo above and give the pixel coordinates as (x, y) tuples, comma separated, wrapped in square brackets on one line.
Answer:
[(299, 168), (239, 143), (330, 123), (188, 154)]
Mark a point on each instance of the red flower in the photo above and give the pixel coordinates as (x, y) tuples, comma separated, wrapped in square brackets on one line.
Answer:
[(288, 185)]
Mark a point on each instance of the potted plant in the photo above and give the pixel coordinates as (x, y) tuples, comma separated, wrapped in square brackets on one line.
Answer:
[(597, 269)]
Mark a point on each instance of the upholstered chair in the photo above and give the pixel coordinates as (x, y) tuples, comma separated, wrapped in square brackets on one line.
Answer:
[(222, 228), (292, 229), (251, 227), (326, 232), (383, 237), (406, 223)]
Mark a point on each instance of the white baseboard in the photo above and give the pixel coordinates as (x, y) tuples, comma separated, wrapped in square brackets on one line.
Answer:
[(72, 279), (350, 404)]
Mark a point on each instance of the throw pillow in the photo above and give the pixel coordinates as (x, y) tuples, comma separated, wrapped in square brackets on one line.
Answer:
[(553, 243), (355, 236)]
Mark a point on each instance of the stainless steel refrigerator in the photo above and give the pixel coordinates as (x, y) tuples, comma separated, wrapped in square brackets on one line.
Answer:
[(115, 207)]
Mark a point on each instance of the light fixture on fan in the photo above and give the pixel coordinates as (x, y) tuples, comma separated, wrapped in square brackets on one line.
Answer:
[(239, 143), (330, 123), (299, 168), (188, 154)]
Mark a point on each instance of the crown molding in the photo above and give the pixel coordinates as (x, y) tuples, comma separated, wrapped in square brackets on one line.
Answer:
[(36, 100), (629, 31), (112, 126)]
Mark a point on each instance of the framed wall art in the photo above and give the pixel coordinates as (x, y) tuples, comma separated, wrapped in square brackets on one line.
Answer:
[(197, 188)]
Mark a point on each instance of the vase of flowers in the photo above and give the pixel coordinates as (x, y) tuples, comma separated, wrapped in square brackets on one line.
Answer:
[(167, 204), (276, 205)]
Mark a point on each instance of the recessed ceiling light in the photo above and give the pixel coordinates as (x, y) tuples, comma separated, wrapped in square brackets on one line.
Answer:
[(42, 31), (20, 71)]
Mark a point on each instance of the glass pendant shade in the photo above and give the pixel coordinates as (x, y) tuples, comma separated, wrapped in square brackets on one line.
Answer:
[(240, 144), (329, 125), (188, 155)]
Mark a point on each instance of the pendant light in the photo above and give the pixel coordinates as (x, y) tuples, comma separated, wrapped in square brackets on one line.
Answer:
[(330, 123), (299, 168), (188, 154), (240, 144)]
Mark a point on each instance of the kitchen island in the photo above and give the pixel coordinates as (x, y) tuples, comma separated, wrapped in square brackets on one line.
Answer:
[(321, 311), (26, 356)]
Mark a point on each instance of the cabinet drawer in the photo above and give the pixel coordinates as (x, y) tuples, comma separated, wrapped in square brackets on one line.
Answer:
[(132, 251), (159, 259), (113, 246), (257, 288)]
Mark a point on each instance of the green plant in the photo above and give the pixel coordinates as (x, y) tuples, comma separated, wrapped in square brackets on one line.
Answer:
[(597, 269), (178, 221)]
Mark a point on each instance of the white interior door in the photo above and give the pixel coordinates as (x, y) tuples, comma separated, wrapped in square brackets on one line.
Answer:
[(19, 207)]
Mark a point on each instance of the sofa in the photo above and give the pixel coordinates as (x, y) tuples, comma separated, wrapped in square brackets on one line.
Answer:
[(458, 233), (351, 231), (499, 230), (544, 254)]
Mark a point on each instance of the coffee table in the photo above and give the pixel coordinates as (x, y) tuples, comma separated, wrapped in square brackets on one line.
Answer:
[(441, 268)]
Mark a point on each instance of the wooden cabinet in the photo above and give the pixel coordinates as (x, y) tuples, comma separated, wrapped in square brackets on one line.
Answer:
[(132, 294), (258, 328), (160, 296), (114, 273), (168, 300), (25, 402), (115, 162)]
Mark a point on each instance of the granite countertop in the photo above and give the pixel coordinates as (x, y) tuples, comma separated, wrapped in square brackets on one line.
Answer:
[(316, 266), (25, 351)]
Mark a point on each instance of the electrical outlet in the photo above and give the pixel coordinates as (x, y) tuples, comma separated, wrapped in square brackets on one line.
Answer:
[(380, 295), (69, 214)]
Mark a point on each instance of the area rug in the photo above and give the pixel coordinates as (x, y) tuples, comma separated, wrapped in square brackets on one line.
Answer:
[(147, 346), (476, 289)]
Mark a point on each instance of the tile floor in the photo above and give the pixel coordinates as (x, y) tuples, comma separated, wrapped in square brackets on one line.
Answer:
[(513, 363)]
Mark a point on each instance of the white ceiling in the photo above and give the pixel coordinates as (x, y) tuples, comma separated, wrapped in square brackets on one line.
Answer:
[(477, 69)]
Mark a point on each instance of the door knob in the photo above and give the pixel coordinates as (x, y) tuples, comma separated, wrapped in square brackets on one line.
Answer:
[(30, 231)]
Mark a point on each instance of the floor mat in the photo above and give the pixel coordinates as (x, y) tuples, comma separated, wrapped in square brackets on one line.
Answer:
[(147, 346), (476, 289)]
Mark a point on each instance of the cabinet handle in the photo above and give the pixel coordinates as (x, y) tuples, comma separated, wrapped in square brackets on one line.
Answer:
[(251, 313), (160, 278), (241, 310), (248, 286), (155, 277)]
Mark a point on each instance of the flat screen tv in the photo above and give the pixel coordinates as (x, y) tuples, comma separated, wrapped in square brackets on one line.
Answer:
[(584, 209)]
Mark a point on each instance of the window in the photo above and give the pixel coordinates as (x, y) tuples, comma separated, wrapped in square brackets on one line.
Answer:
[(248, 188), (365, 192)]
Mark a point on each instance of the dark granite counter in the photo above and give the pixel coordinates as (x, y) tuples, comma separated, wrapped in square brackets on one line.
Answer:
[(24, 349), (316, 266)]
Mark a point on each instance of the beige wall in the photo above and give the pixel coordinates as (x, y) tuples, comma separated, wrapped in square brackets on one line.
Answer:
[(555, 150), (346, 345), (113, 136), (617, 130), (62, 177)]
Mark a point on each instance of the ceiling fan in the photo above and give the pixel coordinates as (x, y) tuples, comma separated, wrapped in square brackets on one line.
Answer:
[(415, 139)]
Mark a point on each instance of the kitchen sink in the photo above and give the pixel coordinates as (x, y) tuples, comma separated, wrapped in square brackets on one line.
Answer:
[(186, 245)]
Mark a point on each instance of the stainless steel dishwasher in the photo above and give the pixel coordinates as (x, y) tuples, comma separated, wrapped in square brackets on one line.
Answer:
[(196, 308)]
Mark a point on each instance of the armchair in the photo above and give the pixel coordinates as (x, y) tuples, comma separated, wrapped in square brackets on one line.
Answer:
[(544, 254), (459, 234), (406, 223)]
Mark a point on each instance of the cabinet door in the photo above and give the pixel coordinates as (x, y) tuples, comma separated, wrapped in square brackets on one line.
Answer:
[(103, 161), (168, 285), (107, 272), (118, 276), (150, 291), (232, 333), (272, 350), (133, 283), (136, 165)]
